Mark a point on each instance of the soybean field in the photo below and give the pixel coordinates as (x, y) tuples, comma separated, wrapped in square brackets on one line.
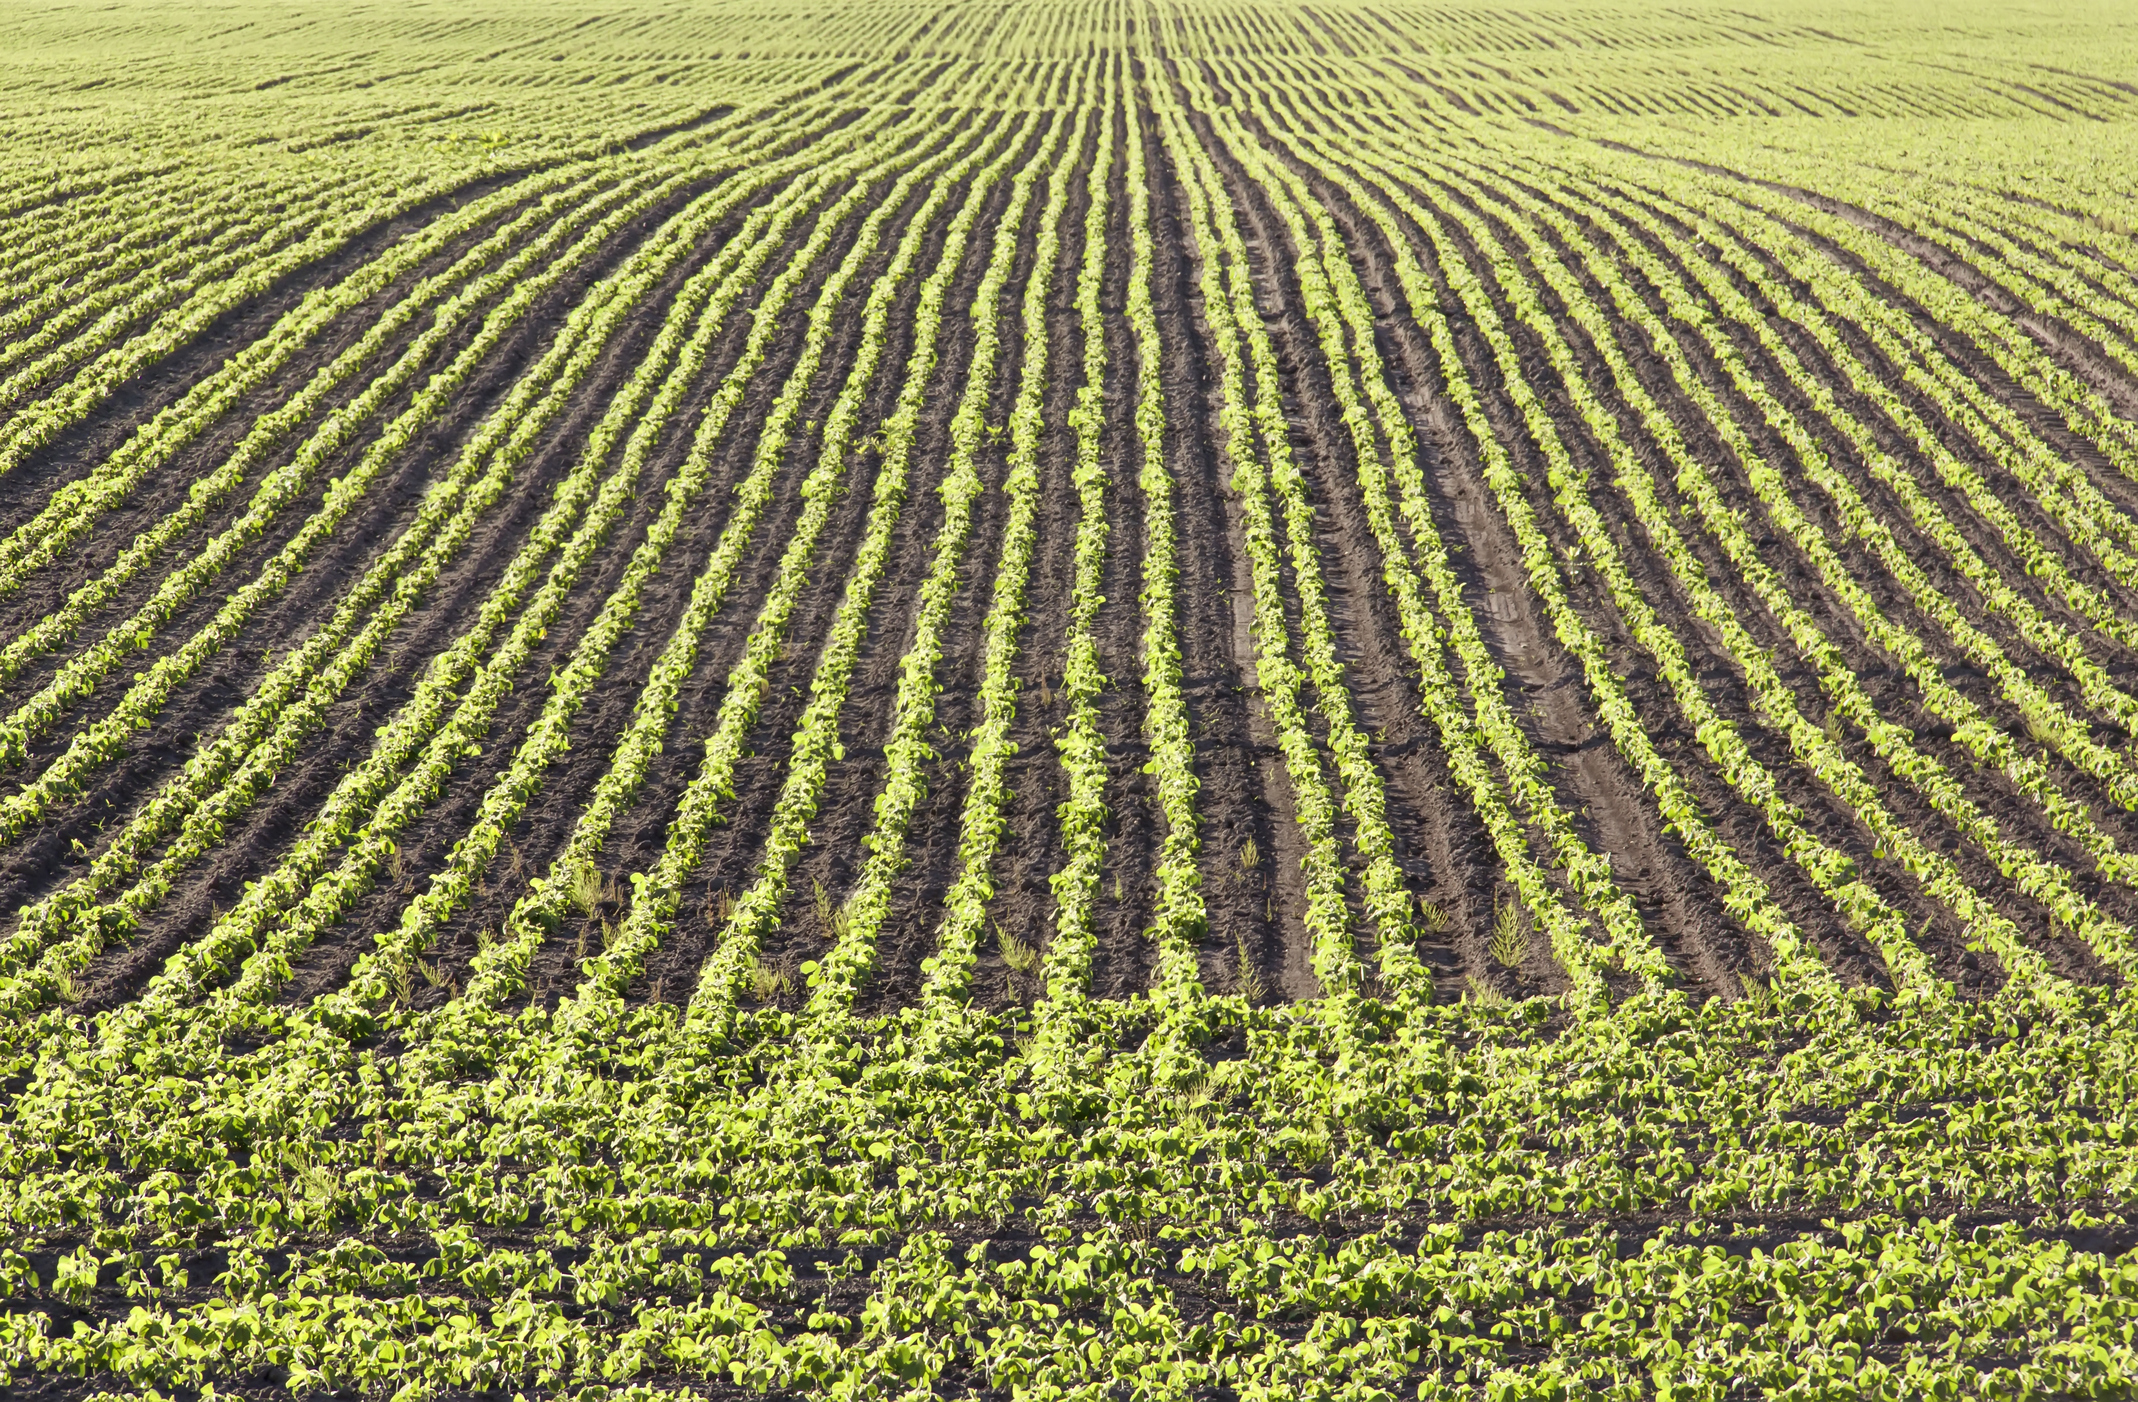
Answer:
[(1093, 699)]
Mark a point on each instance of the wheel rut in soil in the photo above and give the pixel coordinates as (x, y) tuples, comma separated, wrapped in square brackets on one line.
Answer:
[(1461, 870), (1382, 680), (1680, 905), (1487, 560), (1121, 913), (1235, 758), (1280, 950)]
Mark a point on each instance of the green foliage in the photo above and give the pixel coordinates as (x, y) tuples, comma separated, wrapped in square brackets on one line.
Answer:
[(490, 501)]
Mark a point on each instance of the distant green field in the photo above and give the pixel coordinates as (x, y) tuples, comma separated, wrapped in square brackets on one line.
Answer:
[(1182, 701)]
